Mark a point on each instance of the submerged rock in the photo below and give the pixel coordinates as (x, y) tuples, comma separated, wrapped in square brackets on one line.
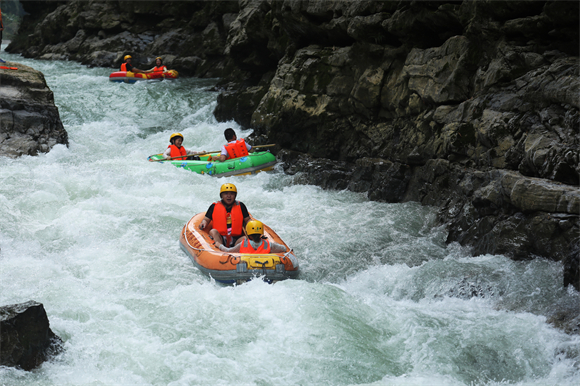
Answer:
[(29, 120), (26, 339)]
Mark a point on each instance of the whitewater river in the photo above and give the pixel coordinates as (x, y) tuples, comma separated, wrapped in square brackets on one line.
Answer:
[(91, 231)]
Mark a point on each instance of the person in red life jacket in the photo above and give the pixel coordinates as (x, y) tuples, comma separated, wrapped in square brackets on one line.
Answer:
[(159, 66), (229, 217), (127, 66), (255, 243), (235, 147), (176, 150)]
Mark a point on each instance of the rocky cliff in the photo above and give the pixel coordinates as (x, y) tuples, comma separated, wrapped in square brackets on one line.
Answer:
[(470, 106), (29, 120)]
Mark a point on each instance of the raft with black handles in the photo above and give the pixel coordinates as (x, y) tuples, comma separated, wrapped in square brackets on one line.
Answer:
[(236, 268), (253, 163)]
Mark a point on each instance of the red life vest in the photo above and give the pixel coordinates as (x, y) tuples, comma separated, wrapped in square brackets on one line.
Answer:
[(237, 149), (159, 69), (246, 247), (124, 67), (220, 217), (176, 152)]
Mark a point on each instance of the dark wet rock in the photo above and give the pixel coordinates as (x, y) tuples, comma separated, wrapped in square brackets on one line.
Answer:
[(101, 33), (26, 340), (29, 120)]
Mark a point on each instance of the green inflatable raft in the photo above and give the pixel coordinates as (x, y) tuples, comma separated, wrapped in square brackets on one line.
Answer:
[(250, 164)]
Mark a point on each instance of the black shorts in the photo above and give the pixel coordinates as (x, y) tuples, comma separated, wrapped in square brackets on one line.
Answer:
[(234, 239)]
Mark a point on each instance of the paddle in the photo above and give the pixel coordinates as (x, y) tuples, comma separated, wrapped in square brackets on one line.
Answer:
[(204, 153)]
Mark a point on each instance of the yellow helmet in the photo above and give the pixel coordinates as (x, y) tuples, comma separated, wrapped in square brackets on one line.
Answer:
[(254, 227), (159, 57), (127, 57), (228, 188), (175, 135)]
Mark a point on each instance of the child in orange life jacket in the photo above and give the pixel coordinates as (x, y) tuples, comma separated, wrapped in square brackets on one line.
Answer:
[(254, 243), (234, 148), (229, 217), (176, 150)]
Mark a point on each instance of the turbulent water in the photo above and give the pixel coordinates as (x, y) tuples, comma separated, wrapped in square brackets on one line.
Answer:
[(91, 231)]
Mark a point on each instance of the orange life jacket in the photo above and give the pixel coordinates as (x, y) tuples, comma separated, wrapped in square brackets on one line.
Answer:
[(246, 247), (124, 67), (159, 69), (220, 220), (237, 149), (176, 152)]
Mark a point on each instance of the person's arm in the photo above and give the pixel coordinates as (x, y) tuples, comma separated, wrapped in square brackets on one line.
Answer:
[(277, 248), (204, 223), (167, 153), (245, 213), (192, 152), (250, 148), (235, 248), (223, 154), (207, 218)]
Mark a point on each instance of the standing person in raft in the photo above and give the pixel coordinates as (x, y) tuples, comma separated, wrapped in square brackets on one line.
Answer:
[(229, 217), (255, 243), (127, 66), (176, 150), (235, 147)]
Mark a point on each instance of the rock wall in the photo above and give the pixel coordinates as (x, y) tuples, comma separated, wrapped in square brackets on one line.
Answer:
[(470, 106), (189, 34), (29, 120)]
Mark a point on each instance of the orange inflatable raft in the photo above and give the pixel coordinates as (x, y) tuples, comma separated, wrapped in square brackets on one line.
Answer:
[(235, 268)]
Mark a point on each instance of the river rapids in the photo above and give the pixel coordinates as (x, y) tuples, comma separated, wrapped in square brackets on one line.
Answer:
[(91, 231)]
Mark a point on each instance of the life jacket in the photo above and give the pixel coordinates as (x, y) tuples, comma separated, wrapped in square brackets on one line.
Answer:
[(220, 220), (176, 152), (237, 149), (124, 67), (246, 247), (162, 68)]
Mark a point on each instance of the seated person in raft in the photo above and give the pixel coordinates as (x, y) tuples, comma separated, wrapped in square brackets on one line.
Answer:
[(255, 243), (127, 66), (229, 217), (235, 147), (159, 66), (176, 150)]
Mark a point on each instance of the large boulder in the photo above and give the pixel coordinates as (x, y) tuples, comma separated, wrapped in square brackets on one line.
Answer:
[(29, 120), (26, 339)]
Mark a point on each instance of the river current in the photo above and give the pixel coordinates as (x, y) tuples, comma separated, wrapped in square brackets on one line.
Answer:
[(91, 231)]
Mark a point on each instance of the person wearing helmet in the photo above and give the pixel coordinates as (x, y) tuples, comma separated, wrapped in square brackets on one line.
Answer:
[(176, 150), (255, 243), (229, 217), (235, 147), (127, 66), (159, 66)]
